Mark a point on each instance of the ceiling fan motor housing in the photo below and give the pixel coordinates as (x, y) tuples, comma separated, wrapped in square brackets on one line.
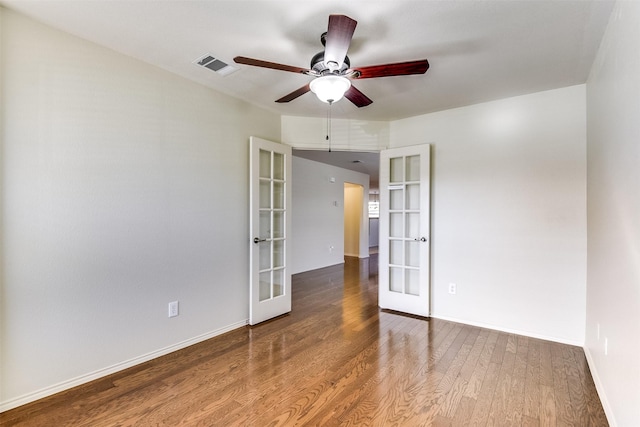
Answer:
[(322, 68), (319, 66)]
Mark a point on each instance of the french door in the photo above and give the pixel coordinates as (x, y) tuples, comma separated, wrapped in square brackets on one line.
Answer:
[(404, 255), (270, 230)]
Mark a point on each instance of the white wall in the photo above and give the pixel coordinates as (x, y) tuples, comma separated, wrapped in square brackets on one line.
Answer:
[(124, 188), (346, 134), (613, 193), (508, 212), (318, 214), (374, 228), (2, 174)]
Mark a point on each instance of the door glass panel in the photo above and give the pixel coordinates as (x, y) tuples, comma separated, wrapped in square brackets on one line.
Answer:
[(265, 255), (395, 252), (264, 292), (278, 282), (413, 225), (395, 225), (413, 196), (278, 253), (265, 225), (278, 166), (265, 194), (278, 195), (265, 164), (396, 172), (412, 282), (413, 168), (278, 224), (395, 279), (412, 254), (395, 202)]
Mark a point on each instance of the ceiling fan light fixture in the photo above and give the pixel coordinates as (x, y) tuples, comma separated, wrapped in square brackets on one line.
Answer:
[(330, 88)]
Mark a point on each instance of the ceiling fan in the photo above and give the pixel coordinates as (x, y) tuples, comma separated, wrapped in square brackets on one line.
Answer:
[(332, 70)]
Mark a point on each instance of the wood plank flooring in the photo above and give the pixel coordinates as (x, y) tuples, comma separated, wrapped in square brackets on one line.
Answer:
[(337, 360)]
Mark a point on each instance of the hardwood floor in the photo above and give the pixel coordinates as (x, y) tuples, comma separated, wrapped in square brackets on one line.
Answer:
[(338, 360)]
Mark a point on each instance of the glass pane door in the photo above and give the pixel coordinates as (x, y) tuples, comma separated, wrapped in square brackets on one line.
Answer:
[(270, 189), (404, 229)]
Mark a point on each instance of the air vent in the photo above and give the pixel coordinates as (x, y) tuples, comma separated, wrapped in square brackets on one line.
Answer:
[(214, 64)]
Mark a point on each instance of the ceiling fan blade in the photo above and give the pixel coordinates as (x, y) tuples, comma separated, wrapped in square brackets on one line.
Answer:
[(397, 69), (339, 35), (358, 98), (296, 93), (267, 64)]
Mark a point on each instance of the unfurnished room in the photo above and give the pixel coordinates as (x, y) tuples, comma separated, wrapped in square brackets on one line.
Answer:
[(328, 213)]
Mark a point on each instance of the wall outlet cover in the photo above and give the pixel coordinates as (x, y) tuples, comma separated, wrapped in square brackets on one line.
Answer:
[(173, 309)]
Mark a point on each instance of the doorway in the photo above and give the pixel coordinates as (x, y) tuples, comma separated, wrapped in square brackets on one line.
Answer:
[(353, 203)]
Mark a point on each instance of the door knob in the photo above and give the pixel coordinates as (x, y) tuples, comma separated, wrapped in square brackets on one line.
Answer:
[(422, 239), (257, 240)]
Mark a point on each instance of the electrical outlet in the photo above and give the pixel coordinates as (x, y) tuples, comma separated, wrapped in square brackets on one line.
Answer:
[(606, 346), (173, 309), (331, 248), (452, 288)]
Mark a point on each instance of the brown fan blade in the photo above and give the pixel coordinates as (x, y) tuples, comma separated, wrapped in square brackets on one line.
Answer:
[(358, 98), (267, 64), (397, 69), (338, 39), (296, 93)]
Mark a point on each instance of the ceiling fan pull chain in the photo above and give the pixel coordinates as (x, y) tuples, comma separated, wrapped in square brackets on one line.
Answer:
[(328, 138)]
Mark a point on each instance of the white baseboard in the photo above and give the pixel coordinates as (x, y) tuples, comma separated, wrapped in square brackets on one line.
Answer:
[(74, 382), (510, 331), (600, 389)]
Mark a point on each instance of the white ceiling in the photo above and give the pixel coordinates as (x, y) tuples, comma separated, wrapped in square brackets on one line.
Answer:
[(478, 50)]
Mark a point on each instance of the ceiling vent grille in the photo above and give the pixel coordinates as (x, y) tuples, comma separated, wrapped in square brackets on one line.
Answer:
[(214, 64)]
